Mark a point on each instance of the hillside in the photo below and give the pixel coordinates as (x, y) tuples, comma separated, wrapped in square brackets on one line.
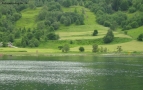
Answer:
[(53, 24)]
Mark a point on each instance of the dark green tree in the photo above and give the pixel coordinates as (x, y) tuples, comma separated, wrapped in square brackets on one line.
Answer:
[(52, 36), (124, 5), (109, 37), (140, 37), (95, 33), (81, 49)]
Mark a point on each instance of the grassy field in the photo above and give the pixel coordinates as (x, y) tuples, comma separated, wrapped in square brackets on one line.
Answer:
[(28, 19), (134, 33)]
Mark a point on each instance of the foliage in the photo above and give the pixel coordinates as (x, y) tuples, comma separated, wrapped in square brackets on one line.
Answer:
[(95, 33), (60, 47), (140, 37), (101, 49), (119, 48), (81, 49), (125, 32), (52, 36), (65, 48), (94, 48), (109, 37)]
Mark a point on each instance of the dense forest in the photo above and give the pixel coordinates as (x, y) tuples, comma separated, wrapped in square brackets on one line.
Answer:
[(109, 13)]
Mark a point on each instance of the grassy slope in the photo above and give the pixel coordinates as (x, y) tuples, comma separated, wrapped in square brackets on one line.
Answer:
[(74, 32), (83, 31), (28, 18), (134, 33)]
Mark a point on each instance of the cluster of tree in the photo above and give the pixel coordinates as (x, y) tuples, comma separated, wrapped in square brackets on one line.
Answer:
[(134, 22), (110, 13), (49, 19), (32, 38), (51, 16)]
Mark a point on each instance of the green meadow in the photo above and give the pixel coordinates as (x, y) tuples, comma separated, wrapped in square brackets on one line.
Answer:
[(28, 19)]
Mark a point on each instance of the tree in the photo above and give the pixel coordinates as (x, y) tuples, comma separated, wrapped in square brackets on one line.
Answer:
[(29, 35), (56, 25), (109, 37), (125, 32), (4, 44), (81, 49), (60, 47), (95, 48), (11, 38), (95, 33), (67, 3), (140, 37), (65, 48), (52, 36), (119, 48), (124, 5)]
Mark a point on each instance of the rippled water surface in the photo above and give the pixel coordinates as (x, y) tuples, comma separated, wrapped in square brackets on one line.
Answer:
[(95, 74)]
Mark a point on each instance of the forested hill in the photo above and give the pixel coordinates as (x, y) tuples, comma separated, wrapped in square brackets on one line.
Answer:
[(49, 16)]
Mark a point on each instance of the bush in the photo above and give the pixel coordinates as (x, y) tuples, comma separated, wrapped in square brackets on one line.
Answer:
[(95, 33), (125, 32), (140, 37), (132, 9), (65, 48), (81, 49), (60, 47), (95, 48), (107, 24), (52, 36), (109, 37)]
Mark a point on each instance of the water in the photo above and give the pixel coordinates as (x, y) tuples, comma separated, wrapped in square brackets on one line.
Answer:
[(72, 73)]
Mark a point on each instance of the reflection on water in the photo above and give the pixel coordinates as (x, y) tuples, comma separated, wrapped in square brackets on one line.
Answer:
[(67, 75), (42, 71)]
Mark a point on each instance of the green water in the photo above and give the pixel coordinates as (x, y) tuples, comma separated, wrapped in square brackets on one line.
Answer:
[(72, 73)]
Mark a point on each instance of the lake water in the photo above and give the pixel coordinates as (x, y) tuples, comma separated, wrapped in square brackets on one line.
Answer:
[(72, 73)]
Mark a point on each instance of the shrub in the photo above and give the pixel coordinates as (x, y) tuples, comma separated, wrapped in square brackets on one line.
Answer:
[(125, 32), (119, 48), (60, 47), (81, 49), (95, 48), (65, 48), (140, 37), (109, 37), (132, 9), (95, 33)]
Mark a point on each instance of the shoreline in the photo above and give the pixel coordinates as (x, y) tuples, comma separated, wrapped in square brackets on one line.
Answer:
[(72, 54)]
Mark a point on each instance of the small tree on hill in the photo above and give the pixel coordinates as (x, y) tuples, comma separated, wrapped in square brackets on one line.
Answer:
[(109, 37), (119, 48), (95, 48), (140, 37), (81, 49), (95, 33), (65, 48)]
